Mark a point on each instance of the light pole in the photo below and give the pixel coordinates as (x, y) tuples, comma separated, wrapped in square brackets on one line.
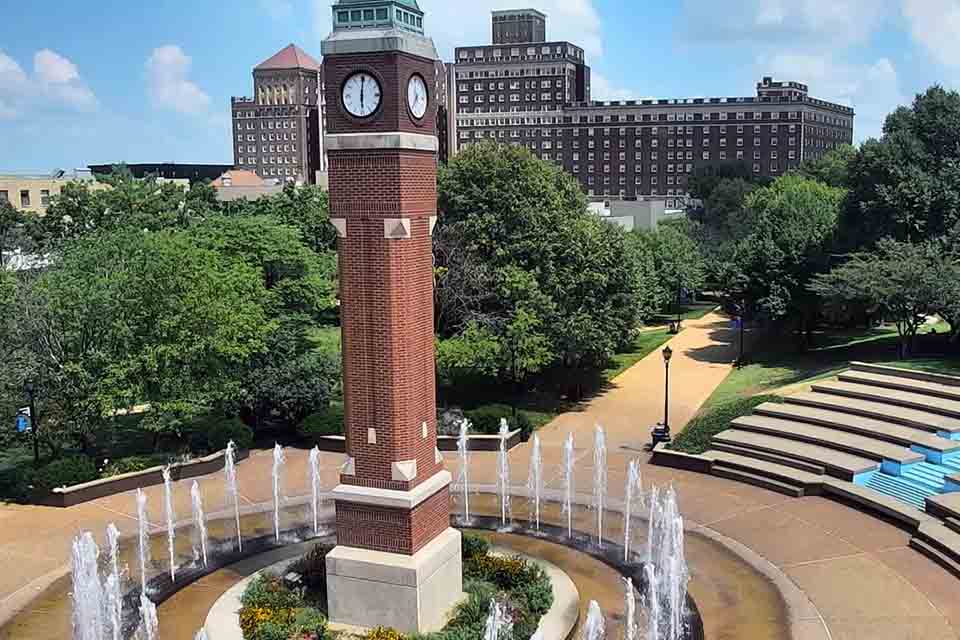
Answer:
[(661, 432), (34, 420)]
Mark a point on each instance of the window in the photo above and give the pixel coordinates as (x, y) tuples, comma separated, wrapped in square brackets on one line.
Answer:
[(723, 155), (756, 168), (24, 198), (44, 197), (4, 196), (706, 155), (739, 155), (756, 155)]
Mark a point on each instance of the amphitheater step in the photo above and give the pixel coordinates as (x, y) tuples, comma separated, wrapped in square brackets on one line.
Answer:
[(946, 505), (953, 524), (944, 560), (901, 489), (781, 473), (850, 443), (873, 500), (836, 463), (933, 389), (871, 427), (758, 480), (915, 418), (942, 539), (906, 373), (949, 408), (769, 457)]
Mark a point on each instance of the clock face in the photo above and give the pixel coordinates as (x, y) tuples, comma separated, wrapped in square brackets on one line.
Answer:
[(361, 94), (417, 96)]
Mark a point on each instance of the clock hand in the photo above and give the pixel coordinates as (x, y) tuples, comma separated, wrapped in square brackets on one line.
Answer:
[(362, 81)]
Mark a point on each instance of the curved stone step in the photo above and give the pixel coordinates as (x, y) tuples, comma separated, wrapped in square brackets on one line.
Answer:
[(944, 560), (915, 374), (915, 418), (871, 427), (946, 505), (769, 457), (836, 463), (874, 501), (850, 443), (950, 408), (778, 472), (942, 538), (925, 387), (758, 480)]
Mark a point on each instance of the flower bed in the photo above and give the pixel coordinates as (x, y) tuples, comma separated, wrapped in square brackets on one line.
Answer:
[(291, 607)]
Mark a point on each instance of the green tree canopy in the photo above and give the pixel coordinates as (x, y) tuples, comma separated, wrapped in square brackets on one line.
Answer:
[(833, 168)]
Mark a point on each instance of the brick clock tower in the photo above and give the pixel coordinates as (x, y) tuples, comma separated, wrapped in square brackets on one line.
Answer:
[(397, 562)]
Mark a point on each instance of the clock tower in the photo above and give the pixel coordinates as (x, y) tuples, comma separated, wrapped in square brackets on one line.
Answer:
[(397, 561)]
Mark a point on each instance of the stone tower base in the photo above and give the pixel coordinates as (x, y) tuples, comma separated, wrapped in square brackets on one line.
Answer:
[(413, 594)]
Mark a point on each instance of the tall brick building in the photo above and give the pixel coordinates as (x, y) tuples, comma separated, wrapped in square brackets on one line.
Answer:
[(278, 133), (537, 94), (397, 562)]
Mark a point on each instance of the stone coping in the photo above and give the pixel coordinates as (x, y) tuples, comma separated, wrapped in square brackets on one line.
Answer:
[(223, 623), (476, 442), (78, 494)]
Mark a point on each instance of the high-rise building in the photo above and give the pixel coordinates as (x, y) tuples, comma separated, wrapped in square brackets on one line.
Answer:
[(537, 95), (278, 133)]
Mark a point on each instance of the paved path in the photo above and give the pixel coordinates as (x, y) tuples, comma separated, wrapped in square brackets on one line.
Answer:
[(858, 571)]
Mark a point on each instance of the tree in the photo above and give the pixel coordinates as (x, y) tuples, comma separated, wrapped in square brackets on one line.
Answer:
[(133, 317), (907, 184), (792, 225), (678, 263), (908, 281), (12, 222), (833, 168), (307, 208)]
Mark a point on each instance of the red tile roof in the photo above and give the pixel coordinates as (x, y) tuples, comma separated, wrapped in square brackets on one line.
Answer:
[(290, 57), (239, 178)]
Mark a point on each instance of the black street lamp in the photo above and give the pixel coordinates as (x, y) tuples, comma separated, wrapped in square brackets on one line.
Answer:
[(31, 392), (661, 432), (741, 310)]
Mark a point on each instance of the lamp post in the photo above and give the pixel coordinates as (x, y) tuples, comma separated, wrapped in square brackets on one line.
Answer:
[(31, 392), (661, 432)]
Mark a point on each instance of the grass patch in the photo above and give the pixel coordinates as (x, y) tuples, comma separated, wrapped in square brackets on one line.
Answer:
[(646, 343), (694, 311), (324, 338), (946, 366), (696, 436)]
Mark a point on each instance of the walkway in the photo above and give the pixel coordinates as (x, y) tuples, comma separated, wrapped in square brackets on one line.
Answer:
[(857, 570)]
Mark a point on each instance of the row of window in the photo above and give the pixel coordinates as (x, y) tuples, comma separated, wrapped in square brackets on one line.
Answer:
[(542, 50), (269, 124), (268, 160), (511, 73), (279, 148), (632, 131), (514, 97), (515, 85), (622, 143), (268, 137), (685, 117), (25, 197)]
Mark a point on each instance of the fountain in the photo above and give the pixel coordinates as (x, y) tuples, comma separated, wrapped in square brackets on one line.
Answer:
[(498, 625), (535, 480), (632, 492), (88, 597), (629, 610), (199, 525), (666, 569), (594, 627), (503, 474), (171, 519), (568, 482), (201, 635), (279, 460), (114, 584), (232, 490), (463, 452), (149, 622), (599, 479), (143, 538), (315, 486)]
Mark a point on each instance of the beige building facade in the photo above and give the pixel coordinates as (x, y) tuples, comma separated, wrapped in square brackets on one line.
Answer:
[(32, 193)]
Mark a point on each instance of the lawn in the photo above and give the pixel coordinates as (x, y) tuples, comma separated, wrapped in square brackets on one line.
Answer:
[(646, 343), (325, 337), (692, 311)]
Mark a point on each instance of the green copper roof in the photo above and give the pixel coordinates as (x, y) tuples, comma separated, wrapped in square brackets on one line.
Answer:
[(406, 3), (378, 14)]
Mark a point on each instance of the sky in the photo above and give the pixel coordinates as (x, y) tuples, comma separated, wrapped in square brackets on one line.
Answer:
[(111, 81)]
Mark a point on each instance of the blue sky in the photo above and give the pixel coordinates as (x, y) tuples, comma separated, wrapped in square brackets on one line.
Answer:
[(88, 83)]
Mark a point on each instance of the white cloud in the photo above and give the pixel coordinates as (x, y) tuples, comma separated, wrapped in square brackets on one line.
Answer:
[(797, 22), (277, 9), (602, 89), (873, 90), (168, 69), (935, 25), (55, 81)]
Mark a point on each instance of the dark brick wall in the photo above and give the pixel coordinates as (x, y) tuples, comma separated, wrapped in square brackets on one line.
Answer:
[(393, 530)]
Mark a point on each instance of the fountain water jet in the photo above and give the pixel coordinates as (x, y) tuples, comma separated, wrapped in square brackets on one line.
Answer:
[(171, 519), (498, 625), (200, 538), (143, 538), (594, 627), (503, 474), (463, 452), (232, 490), (88, 597), (279, 460), (315, 488), (666, 569), (599, 479), (201, 635), (633, 491), (149, 622), (568, 482), (535, 480), (629, 610), (114, 584)]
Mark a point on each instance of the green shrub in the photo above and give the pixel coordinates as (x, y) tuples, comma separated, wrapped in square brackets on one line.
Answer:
[(64, 472), (474, 546), (132, 464), (272, 631), (15, 483), (383, 633), (695, 437), (308, 624), (222, 432), (486, 418), (268, 592), (537, 593), (325, 423), (525, 425), (312, 568)]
